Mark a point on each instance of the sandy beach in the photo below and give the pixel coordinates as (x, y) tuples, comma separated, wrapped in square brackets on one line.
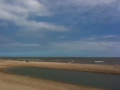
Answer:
[(15, 82)]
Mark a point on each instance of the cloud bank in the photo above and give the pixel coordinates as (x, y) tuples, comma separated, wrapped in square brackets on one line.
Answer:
[(18, 12), (110, 43)]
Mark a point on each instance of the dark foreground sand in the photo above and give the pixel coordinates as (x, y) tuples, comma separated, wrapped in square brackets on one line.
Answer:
[(15, 82)]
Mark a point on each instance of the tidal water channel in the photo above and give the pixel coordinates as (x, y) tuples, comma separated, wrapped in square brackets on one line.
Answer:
[(98, 80)]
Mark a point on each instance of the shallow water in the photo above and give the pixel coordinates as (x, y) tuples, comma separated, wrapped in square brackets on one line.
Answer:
[(107, 81)]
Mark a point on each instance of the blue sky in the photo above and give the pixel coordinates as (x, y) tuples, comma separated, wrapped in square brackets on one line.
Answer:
[(77, 28)]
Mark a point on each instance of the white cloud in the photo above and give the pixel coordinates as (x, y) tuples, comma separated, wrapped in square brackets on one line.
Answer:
[(88, 44), (62, 37), (38, 26), (91, 2), (84, 44), (78, 3), (87, 11), (102, 38), (111, 36), (18, 11), (23, 8), (16, 44)]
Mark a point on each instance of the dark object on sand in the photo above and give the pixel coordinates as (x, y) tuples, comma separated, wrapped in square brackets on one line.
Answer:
[(26, 61)]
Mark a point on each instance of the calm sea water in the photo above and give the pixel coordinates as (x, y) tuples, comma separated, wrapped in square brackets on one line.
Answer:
[(106, 81), (85, 60)]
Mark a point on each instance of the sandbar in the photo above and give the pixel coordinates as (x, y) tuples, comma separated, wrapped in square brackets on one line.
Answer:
[(15, 82)]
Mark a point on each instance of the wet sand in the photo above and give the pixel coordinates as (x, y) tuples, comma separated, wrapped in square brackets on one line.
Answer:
[(16, 82)]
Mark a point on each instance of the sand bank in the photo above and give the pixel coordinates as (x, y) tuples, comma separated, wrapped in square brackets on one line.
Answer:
[(15, 82)]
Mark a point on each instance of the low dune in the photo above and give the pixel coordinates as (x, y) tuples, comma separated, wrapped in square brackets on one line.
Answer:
[(15, 82)]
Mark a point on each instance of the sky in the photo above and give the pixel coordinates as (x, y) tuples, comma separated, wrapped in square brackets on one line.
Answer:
[(60, 28)]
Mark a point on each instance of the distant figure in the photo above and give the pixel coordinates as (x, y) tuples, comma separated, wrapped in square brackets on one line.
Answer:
[(26, 61)]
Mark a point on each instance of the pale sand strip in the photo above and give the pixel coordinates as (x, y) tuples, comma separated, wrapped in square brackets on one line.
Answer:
[(15, 82)]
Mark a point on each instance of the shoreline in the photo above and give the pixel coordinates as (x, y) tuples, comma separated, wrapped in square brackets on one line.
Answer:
[(65, 66), (95, 68)]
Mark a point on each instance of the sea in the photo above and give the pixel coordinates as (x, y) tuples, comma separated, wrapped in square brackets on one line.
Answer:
[(81, 60)]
